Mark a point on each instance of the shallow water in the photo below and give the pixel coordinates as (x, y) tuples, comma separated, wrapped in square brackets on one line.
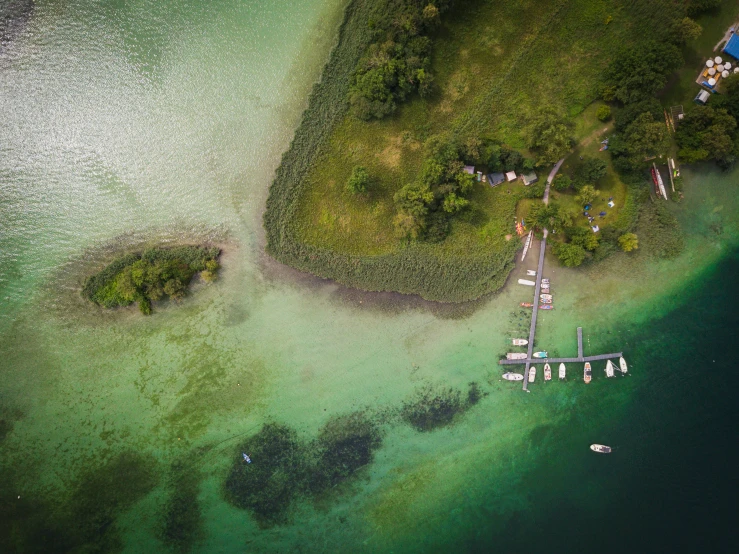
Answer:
[(153, 121)]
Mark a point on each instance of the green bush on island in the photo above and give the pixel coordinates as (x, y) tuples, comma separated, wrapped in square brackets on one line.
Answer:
[(151, 275)]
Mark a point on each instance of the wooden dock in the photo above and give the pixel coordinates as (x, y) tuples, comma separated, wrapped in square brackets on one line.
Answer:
[(537, 288), (579, 359)]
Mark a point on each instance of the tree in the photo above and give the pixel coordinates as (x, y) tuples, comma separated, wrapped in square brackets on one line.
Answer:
[(561, 182), (551, 136), (628, 242), (414, 199), (706, 134), (586, 195), (406, 226), (590, 171), (174, 289), (626, 115), (358, 181), (697, 7), (431, 13), (453, 203), (685, 29), (603, 113), (584, 237), (642, 140), (570, 255), (638, 73)]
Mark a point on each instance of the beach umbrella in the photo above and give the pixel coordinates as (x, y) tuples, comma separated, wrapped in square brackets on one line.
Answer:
[(719, 68), (727, 65), (711, 82), (736, 70), (712, 71), (724, 74), (709, 63), (718, 59)]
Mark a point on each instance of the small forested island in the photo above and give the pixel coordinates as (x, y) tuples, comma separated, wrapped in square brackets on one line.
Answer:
[(436, 122), (151, 275)]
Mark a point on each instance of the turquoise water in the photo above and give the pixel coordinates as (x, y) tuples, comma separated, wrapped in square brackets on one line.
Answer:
[(155, 122)]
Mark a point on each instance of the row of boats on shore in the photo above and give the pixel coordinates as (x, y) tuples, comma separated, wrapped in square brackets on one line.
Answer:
[(610, 369), (545, 298)]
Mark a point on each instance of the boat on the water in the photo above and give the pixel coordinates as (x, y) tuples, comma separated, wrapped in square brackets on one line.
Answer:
[(546, 307), (610, 368), (587, 373), (527, 305), (545, 296), (601, 448), (541, 354), (545, 300), (562, 371), (247, 459), (526, 282), (622, 363), (513, 377), (532, 374), (547, 372), (531, 272), (516, 356), (519, 342)]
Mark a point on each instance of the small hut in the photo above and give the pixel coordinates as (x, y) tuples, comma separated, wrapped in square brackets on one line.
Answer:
[(496, 179), (529, 178), (510, 176)]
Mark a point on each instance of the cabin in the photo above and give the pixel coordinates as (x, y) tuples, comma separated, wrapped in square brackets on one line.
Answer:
[(529, 178), (702, 97), (496, 179), (510, 176)]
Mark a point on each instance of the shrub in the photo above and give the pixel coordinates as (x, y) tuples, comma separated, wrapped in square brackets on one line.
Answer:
[(628, 242), (571, 255), (561, 182), (358, 181), (603, 113)]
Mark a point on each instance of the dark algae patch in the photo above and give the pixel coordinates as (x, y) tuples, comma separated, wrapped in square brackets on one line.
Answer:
[(182, 524), (284, 468), (86, 522), (435, 407), (151, 275)]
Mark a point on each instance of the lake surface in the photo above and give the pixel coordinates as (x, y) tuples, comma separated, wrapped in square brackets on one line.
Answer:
[(126, 124)]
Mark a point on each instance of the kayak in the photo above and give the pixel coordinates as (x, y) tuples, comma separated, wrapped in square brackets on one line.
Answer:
[(527, 305), (513, 377)]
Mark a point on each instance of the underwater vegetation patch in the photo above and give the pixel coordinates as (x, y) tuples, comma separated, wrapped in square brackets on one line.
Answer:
[(435, 407), (284, 468), (182, 524)]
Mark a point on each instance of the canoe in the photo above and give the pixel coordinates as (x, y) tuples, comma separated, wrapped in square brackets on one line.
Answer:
[(622, 363), (547, 372), (520, 342), (546, 307), (562, 371), (526, 282), (516, 356), (527, 305), (513, 377), (540, 355), (532, 374)]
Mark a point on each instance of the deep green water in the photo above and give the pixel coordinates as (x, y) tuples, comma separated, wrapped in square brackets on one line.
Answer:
[(140, 122)]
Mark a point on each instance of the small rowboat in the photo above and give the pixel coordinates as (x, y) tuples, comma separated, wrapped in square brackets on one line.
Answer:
[(544, 291), (545, 296), (587, 373), (513, 377), (520, 342), (526, 282), (547, 372), (622, 363), (562, 371), (531, 272), (545, 300), (541, 354), (527, 305), (546, 307), (516, 356), (532, 374), (600, 448)]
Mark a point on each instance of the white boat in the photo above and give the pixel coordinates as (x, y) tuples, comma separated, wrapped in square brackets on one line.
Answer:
[(562, 371), (610, 369), (545, 296), (600, 448), (519, 342), (547, 372), (526, 246), (540, 355), (545, 280), (513, 377), (587, 373), (546, 300), (526, 282), (544, 290), (622, 363), (516, 356), (531, 272), (532, 374)]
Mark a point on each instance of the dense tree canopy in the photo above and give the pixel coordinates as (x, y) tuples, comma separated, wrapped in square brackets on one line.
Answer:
[(628, 242), (707, 134), (551, 136), (590, 171), (642, 140), (570, 255)]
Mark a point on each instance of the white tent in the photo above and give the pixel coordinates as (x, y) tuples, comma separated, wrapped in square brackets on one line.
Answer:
[(712, 71), (711, 81), (709, 63), (718, 59), (724, 74)]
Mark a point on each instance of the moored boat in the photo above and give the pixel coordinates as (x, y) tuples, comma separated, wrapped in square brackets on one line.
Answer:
[(526, 246), (545, 300), (531, 272), (545, 281), (516, 356), (519, 342), (545, 296), (532, 374), (562, 371), (527, 305), (547, 372), (546, 307), (622, 363), (544, 290), (587, 373), (610, 369), (541, 354), (601, 448), (513, 377), (526, 282)]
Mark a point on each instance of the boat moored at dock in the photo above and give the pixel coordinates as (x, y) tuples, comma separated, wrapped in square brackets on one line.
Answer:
[(532, 374), (513, 377), (526, 282), (519, 342), (541, 354), (601, 448), (545, 296), (562, 371), (587, 374), (610, 369), (516, 356), (622, 364), (547, 372)]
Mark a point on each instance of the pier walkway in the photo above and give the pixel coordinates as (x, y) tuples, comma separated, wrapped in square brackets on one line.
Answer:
[(537, 288), (565, 360)]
